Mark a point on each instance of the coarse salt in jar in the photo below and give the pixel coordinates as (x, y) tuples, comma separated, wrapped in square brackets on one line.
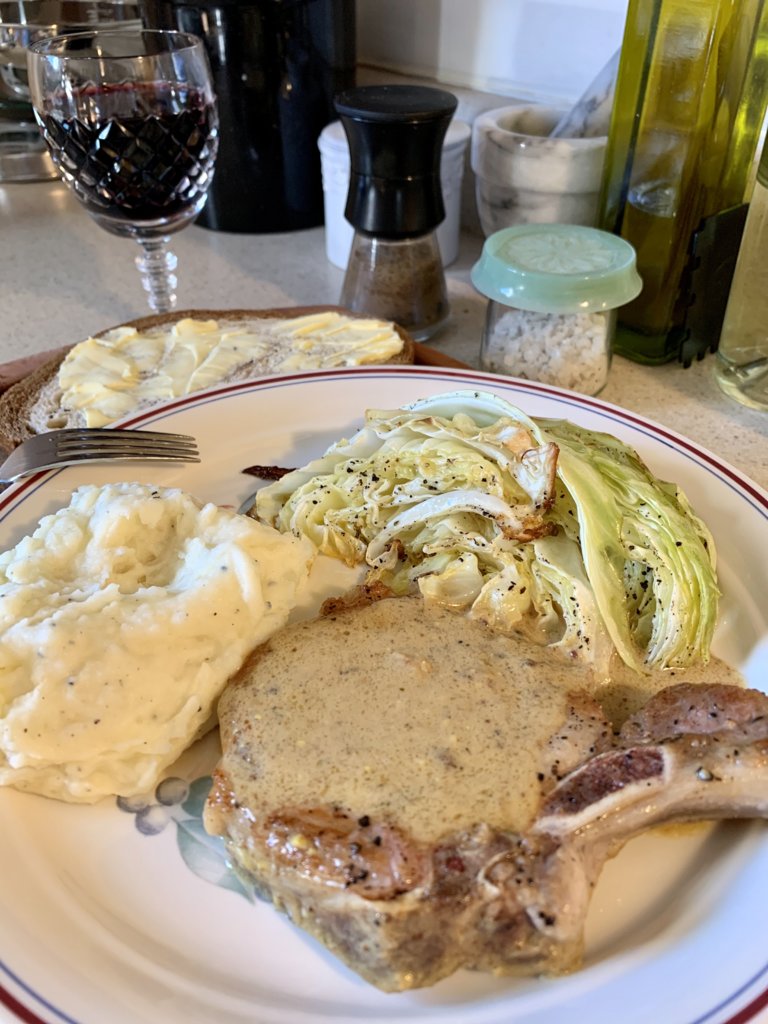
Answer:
[(554, 290)]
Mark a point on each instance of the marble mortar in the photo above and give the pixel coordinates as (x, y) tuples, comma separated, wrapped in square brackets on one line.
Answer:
[(522, 175)]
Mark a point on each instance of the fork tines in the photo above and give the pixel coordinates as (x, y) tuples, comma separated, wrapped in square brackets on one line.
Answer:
[(87, 442), (90, 436), (72, 446), (87, 435)]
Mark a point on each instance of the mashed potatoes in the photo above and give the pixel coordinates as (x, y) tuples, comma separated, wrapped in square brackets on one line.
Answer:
[(121, 619)]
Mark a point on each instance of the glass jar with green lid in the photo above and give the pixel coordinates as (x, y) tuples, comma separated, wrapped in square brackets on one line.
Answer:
[(554, 290)]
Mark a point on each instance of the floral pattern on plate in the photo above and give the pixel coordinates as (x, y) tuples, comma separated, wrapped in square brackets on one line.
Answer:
[(182, 803)]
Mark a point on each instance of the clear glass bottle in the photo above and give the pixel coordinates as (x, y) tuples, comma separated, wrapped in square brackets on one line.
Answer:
[(690, 97), (741, 367), (395, 203), (554, 290)]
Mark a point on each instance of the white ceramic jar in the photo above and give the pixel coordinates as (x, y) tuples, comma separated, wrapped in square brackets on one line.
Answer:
[(524, 176), (335, 163)]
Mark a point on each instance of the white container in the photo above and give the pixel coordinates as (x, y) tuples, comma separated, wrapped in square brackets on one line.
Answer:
[(334, 159), (523, 176)]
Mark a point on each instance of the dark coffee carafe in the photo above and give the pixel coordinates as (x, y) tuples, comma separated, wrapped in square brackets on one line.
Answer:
[(276, 66)]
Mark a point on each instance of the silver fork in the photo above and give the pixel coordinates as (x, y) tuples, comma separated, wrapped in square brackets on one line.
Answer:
[(57, 448)]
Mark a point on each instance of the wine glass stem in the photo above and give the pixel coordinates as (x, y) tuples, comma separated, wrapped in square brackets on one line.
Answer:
[(156, 265)]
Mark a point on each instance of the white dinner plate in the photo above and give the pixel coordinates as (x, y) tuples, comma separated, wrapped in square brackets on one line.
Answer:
[(128, 916)]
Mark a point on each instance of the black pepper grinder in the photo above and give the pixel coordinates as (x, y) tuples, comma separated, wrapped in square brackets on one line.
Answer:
[(395, 203)]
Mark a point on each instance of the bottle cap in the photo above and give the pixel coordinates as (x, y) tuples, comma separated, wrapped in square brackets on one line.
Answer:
[(557, 268), (395, 135)]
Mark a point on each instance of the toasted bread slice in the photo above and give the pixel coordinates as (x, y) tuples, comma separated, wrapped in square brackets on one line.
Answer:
[(34, 404)]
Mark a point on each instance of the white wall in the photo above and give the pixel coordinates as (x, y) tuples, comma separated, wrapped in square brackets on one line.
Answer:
[(542, 50)]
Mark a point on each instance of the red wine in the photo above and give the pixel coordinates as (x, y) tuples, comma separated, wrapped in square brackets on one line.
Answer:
[(144, 154)]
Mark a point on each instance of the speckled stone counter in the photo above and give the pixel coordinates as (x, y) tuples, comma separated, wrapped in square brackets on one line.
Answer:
[(63, 278)]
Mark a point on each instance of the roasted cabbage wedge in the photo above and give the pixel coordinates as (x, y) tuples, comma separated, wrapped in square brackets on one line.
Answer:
[(537, 527)]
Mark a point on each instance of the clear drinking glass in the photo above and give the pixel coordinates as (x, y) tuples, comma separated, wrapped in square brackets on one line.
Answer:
[(130, 120), (23, 153), (24, 22)]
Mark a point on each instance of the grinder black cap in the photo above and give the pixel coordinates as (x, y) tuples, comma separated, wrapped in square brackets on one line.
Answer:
[(395, 135)]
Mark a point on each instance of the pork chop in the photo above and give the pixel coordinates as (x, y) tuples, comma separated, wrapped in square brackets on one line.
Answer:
[(421, 794)]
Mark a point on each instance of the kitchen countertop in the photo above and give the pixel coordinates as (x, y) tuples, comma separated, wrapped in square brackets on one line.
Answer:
[(63, 278)]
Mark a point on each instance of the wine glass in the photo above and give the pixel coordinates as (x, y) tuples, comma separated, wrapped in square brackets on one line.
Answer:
[(130, 120)]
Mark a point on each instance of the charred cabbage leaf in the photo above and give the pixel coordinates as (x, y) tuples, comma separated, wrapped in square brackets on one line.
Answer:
[(538, 527)]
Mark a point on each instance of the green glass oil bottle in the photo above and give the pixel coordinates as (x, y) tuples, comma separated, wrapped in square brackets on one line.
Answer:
[(689, 106)]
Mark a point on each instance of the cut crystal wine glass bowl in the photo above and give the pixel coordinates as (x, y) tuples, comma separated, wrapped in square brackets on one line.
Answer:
[(130, 121)]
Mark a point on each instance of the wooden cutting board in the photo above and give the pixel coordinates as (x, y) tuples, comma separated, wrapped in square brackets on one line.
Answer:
[(426, 356)]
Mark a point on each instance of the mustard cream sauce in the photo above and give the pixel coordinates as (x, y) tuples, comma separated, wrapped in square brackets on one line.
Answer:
[(415, 715), (626, 691)]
